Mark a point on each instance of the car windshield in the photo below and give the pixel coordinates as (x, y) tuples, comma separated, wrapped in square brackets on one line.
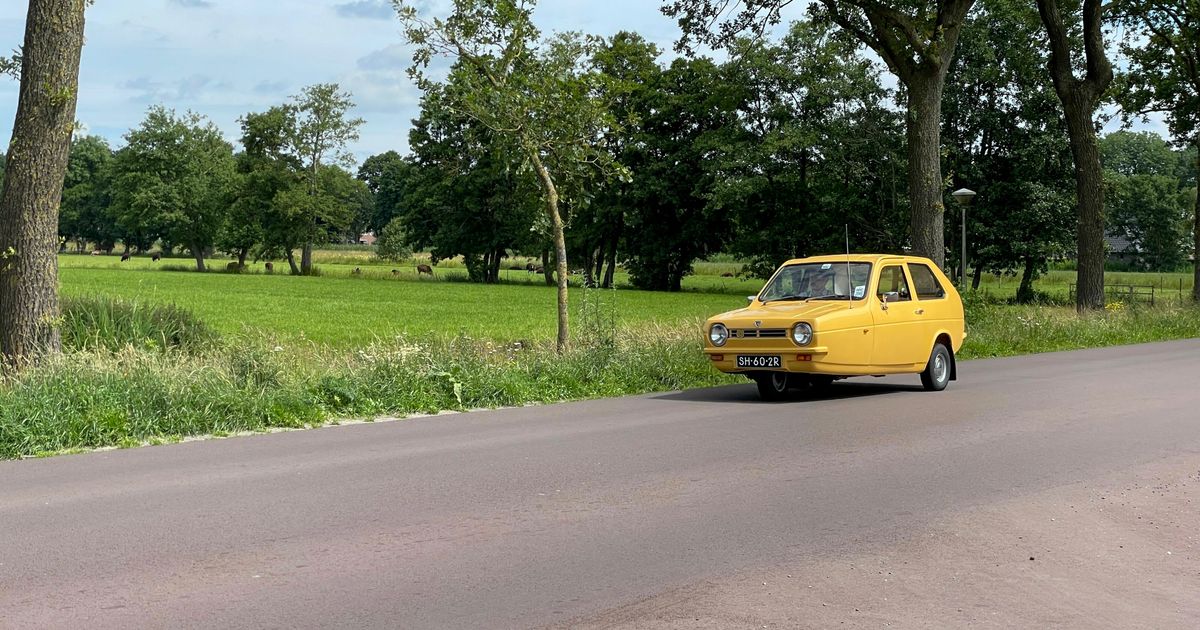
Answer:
[(818, 281)]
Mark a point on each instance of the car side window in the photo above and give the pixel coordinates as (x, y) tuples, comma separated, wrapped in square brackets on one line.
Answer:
[(926, 284), (892, 280)]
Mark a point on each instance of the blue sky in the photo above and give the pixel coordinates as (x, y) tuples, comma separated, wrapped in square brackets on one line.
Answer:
[(223, 58)]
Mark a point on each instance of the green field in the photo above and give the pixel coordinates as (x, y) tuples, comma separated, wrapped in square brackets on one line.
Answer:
[(341, 309)]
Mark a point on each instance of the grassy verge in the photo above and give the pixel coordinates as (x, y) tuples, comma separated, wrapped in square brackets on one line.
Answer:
[(88, 399), (138, 374)]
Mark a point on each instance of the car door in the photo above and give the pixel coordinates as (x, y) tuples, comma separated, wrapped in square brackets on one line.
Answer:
[(933, 307), (899, 335)]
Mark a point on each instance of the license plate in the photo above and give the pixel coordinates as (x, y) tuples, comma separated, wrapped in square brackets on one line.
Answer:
[(759, 361)]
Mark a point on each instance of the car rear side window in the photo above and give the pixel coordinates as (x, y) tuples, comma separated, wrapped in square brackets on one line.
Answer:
[(926, 284)]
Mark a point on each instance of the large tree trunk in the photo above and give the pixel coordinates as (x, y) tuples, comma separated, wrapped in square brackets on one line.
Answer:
[(33, 180), (560, 248), (198, 254), (1089, 188), (1079, 99), (923, 131), (306, 264)]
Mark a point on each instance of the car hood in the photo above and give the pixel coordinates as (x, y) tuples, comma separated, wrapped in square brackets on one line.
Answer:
[(780, 314)]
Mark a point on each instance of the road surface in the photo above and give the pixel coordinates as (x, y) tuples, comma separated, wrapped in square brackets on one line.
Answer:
[(1007, 500)]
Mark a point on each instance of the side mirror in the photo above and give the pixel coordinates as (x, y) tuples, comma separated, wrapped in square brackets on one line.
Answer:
[(750, 299), (890, 296)]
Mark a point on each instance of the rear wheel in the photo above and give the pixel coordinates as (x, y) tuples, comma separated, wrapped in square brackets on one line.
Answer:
[(937, 372), (772, 386)]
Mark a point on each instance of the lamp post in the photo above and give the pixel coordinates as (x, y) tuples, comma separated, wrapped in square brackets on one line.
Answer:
[(964, 197)]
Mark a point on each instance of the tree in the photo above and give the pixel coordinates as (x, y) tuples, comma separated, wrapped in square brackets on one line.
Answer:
[(541, 99), (175, 178), (689, 112), (35, 166), (388, 177), (1080, 97), (465, 195), (1163, 48), (916, 42), (318, 136), (266, 169), (392, 244), (1005, 137), (811, 121)]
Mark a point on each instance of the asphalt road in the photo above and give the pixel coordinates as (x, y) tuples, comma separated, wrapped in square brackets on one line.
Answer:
[(535, 516)]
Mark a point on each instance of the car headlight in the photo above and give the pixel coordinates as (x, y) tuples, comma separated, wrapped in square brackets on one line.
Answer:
[(802, 334), (718, 334)]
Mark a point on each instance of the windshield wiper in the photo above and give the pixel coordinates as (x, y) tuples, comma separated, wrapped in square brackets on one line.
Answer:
[(786, 298), (836, 296)]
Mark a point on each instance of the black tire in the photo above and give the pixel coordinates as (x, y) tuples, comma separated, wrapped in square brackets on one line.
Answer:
[(936, 376), (772, 386)]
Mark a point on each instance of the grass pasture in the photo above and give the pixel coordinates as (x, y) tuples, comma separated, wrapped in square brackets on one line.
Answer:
[(343, 310)]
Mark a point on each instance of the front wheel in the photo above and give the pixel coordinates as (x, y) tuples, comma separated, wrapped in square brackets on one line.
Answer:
[(937, 372), (772, 386)]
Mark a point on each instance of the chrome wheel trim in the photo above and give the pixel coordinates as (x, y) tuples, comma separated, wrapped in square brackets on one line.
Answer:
[(940, 371)]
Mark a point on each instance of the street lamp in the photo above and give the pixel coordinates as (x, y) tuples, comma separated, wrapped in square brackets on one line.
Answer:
[(964, 197)]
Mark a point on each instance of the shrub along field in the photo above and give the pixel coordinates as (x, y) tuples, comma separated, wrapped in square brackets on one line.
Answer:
[(159, 355)]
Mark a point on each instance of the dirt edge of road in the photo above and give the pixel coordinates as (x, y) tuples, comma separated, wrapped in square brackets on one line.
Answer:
[(1122, 552)]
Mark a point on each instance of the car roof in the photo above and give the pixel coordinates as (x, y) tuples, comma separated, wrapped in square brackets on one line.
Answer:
[(867, 258)]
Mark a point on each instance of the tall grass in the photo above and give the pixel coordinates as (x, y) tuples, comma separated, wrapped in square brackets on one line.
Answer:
[(101, 322)]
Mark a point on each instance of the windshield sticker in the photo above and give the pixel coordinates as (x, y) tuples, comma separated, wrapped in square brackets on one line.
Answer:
[(860, 291), (826, 266)]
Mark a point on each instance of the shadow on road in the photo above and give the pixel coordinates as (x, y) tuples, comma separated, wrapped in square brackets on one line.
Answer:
[(743, 394)]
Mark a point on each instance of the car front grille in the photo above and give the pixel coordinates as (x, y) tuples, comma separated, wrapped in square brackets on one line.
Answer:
[(758, 333)]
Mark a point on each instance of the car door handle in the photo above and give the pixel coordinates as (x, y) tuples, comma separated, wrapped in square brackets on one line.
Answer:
[(920, 311)]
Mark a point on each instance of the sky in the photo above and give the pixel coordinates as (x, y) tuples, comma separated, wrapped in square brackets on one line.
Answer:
[(224, 58)]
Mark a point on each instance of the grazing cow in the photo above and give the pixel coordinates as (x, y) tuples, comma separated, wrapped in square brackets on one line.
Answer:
[(727, 275), (424, 269), (235, 267), (96, 252), (126, 256), (539, 269), (270, 267), (395, 272), (357, 272), (531, 268), (156, 257)]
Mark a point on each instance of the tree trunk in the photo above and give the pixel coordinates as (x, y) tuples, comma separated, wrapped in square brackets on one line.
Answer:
[(242, 253), (976, 278), (33, 180), (1025, 291), (306, 265), (560, 248), (1079, 98), (1089, 188), (198, 254), (291, 258), (923, 130), (497, 257), (612, 260), (547, 270)]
